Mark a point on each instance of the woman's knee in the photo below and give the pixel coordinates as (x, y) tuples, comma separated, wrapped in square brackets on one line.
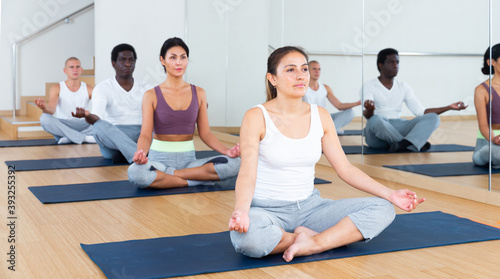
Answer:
[(228, 169), (384, 213), (253, 243), (141, 175)]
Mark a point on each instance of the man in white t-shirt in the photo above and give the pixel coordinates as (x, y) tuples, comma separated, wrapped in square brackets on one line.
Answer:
[(64, 97), (383, 98), (117, 108), (317, 93)]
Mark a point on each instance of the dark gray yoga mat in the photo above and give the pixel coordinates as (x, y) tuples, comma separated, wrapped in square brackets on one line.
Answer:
[(121, 189), (206, 253), (449, 169)]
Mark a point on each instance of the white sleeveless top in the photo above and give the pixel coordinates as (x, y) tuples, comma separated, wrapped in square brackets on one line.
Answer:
[(285, 168), (317, 97), (68, 101)]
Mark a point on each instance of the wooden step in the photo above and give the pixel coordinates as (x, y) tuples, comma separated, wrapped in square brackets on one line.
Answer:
[(33, 111), (90, 80), (22, 127)]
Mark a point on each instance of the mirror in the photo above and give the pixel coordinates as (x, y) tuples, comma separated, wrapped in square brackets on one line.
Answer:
[(440, 56), (438, 63)]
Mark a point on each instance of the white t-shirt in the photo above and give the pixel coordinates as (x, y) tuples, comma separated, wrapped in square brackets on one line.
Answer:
[(69, 101), (112, 103), (285, 169), (317, 97), (388, 103)]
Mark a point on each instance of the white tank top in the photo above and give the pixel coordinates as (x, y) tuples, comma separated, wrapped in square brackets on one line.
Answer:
[(68, 101), (317, 97), (285, 169)]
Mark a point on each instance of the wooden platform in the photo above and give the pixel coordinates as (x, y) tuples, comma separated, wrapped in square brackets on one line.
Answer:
[(48, 237)]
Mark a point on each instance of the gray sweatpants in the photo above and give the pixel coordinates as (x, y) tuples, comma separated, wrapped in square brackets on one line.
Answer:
[(144, 175), (481, 154), (267, 217), (381, 132), (342, 118), (74, 129), (116, 138)]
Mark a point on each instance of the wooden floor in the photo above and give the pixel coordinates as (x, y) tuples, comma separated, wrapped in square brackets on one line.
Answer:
[(48, 237)]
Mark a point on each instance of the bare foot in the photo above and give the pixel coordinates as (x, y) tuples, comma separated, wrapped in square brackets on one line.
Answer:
[(302, 246), (307, 231)]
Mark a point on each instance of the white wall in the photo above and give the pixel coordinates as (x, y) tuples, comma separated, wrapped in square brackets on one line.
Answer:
[(235, 36), (42, 59), (145, 25)]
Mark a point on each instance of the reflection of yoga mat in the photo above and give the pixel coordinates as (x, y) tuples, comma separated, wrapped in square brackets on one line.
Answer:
[(121, 189), (205, 253), (31, 142), (356, 149), (449, 169), (78, 162), (351, 133)]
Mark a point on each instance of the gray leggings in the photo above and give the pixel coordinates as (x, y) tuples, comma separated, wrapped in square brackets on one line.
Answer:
[(144, 175), (267, 217), (481, 154)]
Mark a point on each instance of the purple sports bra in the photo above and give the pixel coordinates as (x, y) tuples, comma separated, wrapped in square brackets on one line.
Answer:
[(495, 117), (175, 122)]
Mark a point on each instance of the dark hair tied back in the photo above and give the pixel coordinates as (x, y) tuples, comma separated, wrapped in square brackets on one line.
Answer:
[(170, 43), (495, 53), (272, 64)]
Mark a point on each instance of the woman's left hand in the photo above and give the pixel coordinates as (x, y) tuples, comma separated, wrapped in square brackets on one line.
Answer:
[(405, 199), (234, 151), (140, 157)]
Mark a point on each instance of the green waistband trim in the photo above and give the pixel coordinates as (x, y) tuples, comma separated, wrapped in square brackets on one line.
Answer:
[(172, 146), (480, 136)]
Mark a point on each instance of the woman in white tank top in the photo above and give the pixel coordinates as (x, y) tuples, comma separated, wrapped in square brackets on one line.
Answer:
[(277, 209)]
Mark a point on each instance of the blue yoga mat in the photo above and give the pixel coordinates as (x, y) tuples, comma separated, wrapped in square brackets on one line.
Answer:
[(121, 189), (449, 169), (31, 142), (356, 149), (206, 253), (351, 133), (78, 162)]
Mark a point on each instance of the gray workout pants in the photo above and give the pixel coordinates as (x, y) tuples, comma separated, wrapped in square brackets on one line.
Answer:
[(74, 129), (116, 138), (144, 175), (381, 132), (267, 217), (481, 154), (342, 118)]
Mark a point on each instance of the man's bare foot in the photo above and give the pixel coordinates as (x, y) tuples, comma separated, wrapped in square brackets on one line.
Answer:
[(303, 245), (307, 231)]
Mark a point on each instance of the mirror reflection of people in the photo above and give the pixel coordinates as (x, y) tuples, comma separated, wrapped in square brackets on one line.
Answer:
[(277, 209), (318, 92), (383, 98), (64, 97), (116, 108), (482, 103), (165, 155)]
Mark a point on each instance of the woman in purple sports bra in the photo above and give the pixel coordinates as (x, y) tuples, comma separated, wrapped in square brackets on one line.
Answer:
[(165, 155), (482, 104)]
